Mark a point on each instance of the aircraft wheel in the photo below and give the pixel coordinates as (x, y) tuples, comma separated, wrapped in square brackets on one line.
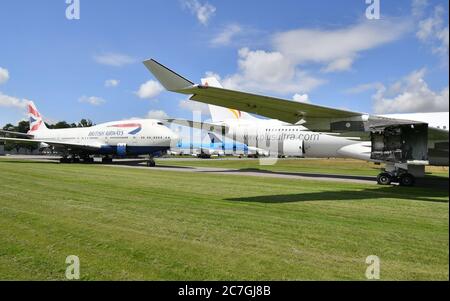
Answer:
[(407, 180), (107, 160), (384, 179), (151, 163)]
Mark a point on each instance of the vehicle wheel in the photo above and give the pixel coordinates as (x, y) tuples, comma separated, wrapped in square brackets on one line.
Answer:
[(384, 179), (407, 180)]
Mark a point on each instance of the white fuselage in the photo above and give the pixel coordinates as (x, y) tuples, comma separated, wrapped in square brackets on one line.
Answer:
[(290, 140), (280, 139), (125, 137)]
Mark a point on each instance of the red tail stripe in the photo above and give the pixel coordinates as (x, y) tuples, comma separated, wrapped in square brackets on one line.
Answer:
[(32, 111), (36, 126)]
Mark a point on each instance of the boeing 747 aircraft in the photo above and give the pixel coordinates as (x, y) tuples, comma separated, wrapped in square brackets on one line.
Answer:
[(112, 139), (406, 144)]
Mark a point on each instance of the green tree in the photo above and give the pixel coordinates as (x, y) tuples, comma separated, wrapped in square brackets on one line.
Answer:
[(85, 123)]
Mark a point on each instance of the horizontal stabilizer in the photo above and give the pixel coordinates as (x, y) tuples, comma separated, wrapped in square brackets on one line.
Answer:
[(210, 127), (16, 134)]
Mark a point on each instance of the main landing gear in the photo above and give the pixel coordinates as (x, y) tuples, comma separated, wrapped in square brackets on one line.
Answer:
[(151, 162), (75, 159), (398, 176), (107, 160)]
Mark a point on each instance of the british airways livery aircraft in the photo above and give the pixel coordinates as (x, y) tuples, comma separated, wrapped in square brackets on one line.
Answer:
[(112, 139)]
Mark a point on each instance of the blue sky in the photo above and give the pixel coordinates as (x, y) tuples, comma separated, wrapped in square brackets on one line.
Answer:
[(324, 52)]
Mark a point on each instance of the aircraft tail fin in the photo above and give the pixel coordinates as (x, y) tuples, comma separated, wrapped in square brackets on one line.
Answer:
[(170, 80), (214, 139), (37, 124), (219, 114)]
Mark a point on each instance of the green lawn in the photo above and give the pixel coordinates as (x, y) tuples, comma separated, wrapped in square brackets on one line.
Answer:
[(157, 225), (333, 166)]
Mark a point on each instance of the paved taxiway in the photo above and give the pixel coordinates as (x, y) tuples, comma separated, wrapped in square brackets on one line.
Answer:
[(141, 164)]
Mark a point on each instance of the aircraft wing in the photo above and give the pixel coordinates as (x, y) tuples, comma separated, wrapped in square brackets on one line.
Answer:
[(16, 134), (281, 109), (69, 145), (313, 117)]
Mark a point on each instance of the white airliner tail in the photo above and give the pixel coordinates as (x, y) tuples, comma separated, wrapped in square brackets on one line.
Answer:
[(219, 114), (37, 124)]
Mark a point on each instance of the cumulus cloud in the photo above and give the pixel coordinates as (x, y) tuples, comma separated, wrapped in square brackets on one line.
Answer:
[(12, 102), (282, 70), (410, 95), (112, 83), (264, 71), (337, 49), (149, 89), (157, 114), (92, 100), (225, 37), (114, 59), (301, 98), (213, 74), (4, 75), (432, 31), (203, 12)]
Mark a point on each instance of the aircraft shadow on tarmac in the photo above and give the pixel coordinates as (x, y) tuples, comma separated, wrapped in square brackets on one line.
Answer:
[(404, 193)]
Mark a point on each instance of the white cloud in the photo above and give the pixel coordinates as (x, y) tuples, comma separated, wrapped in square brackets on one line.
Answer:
[(12, 102), (301, 98), (409, 95), (432, 31), (149, 90), (226, 36), (114, 59), (203, 12), (342, 64), (92, 100), (112, 83), (4, 75), (157, 114), (213, 74), (282, 70), (194, 106), (262, 71), (337, 49)]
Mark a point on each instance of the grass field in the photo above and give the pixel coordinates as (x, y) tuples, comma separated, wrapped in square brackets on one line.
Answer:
[(335, 166), (140, 224)]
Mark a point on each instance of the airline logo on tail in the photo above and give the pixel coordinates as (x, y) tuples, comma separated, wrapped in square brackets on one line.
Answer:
[(35, 117), (137, 127), (237, 114)]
